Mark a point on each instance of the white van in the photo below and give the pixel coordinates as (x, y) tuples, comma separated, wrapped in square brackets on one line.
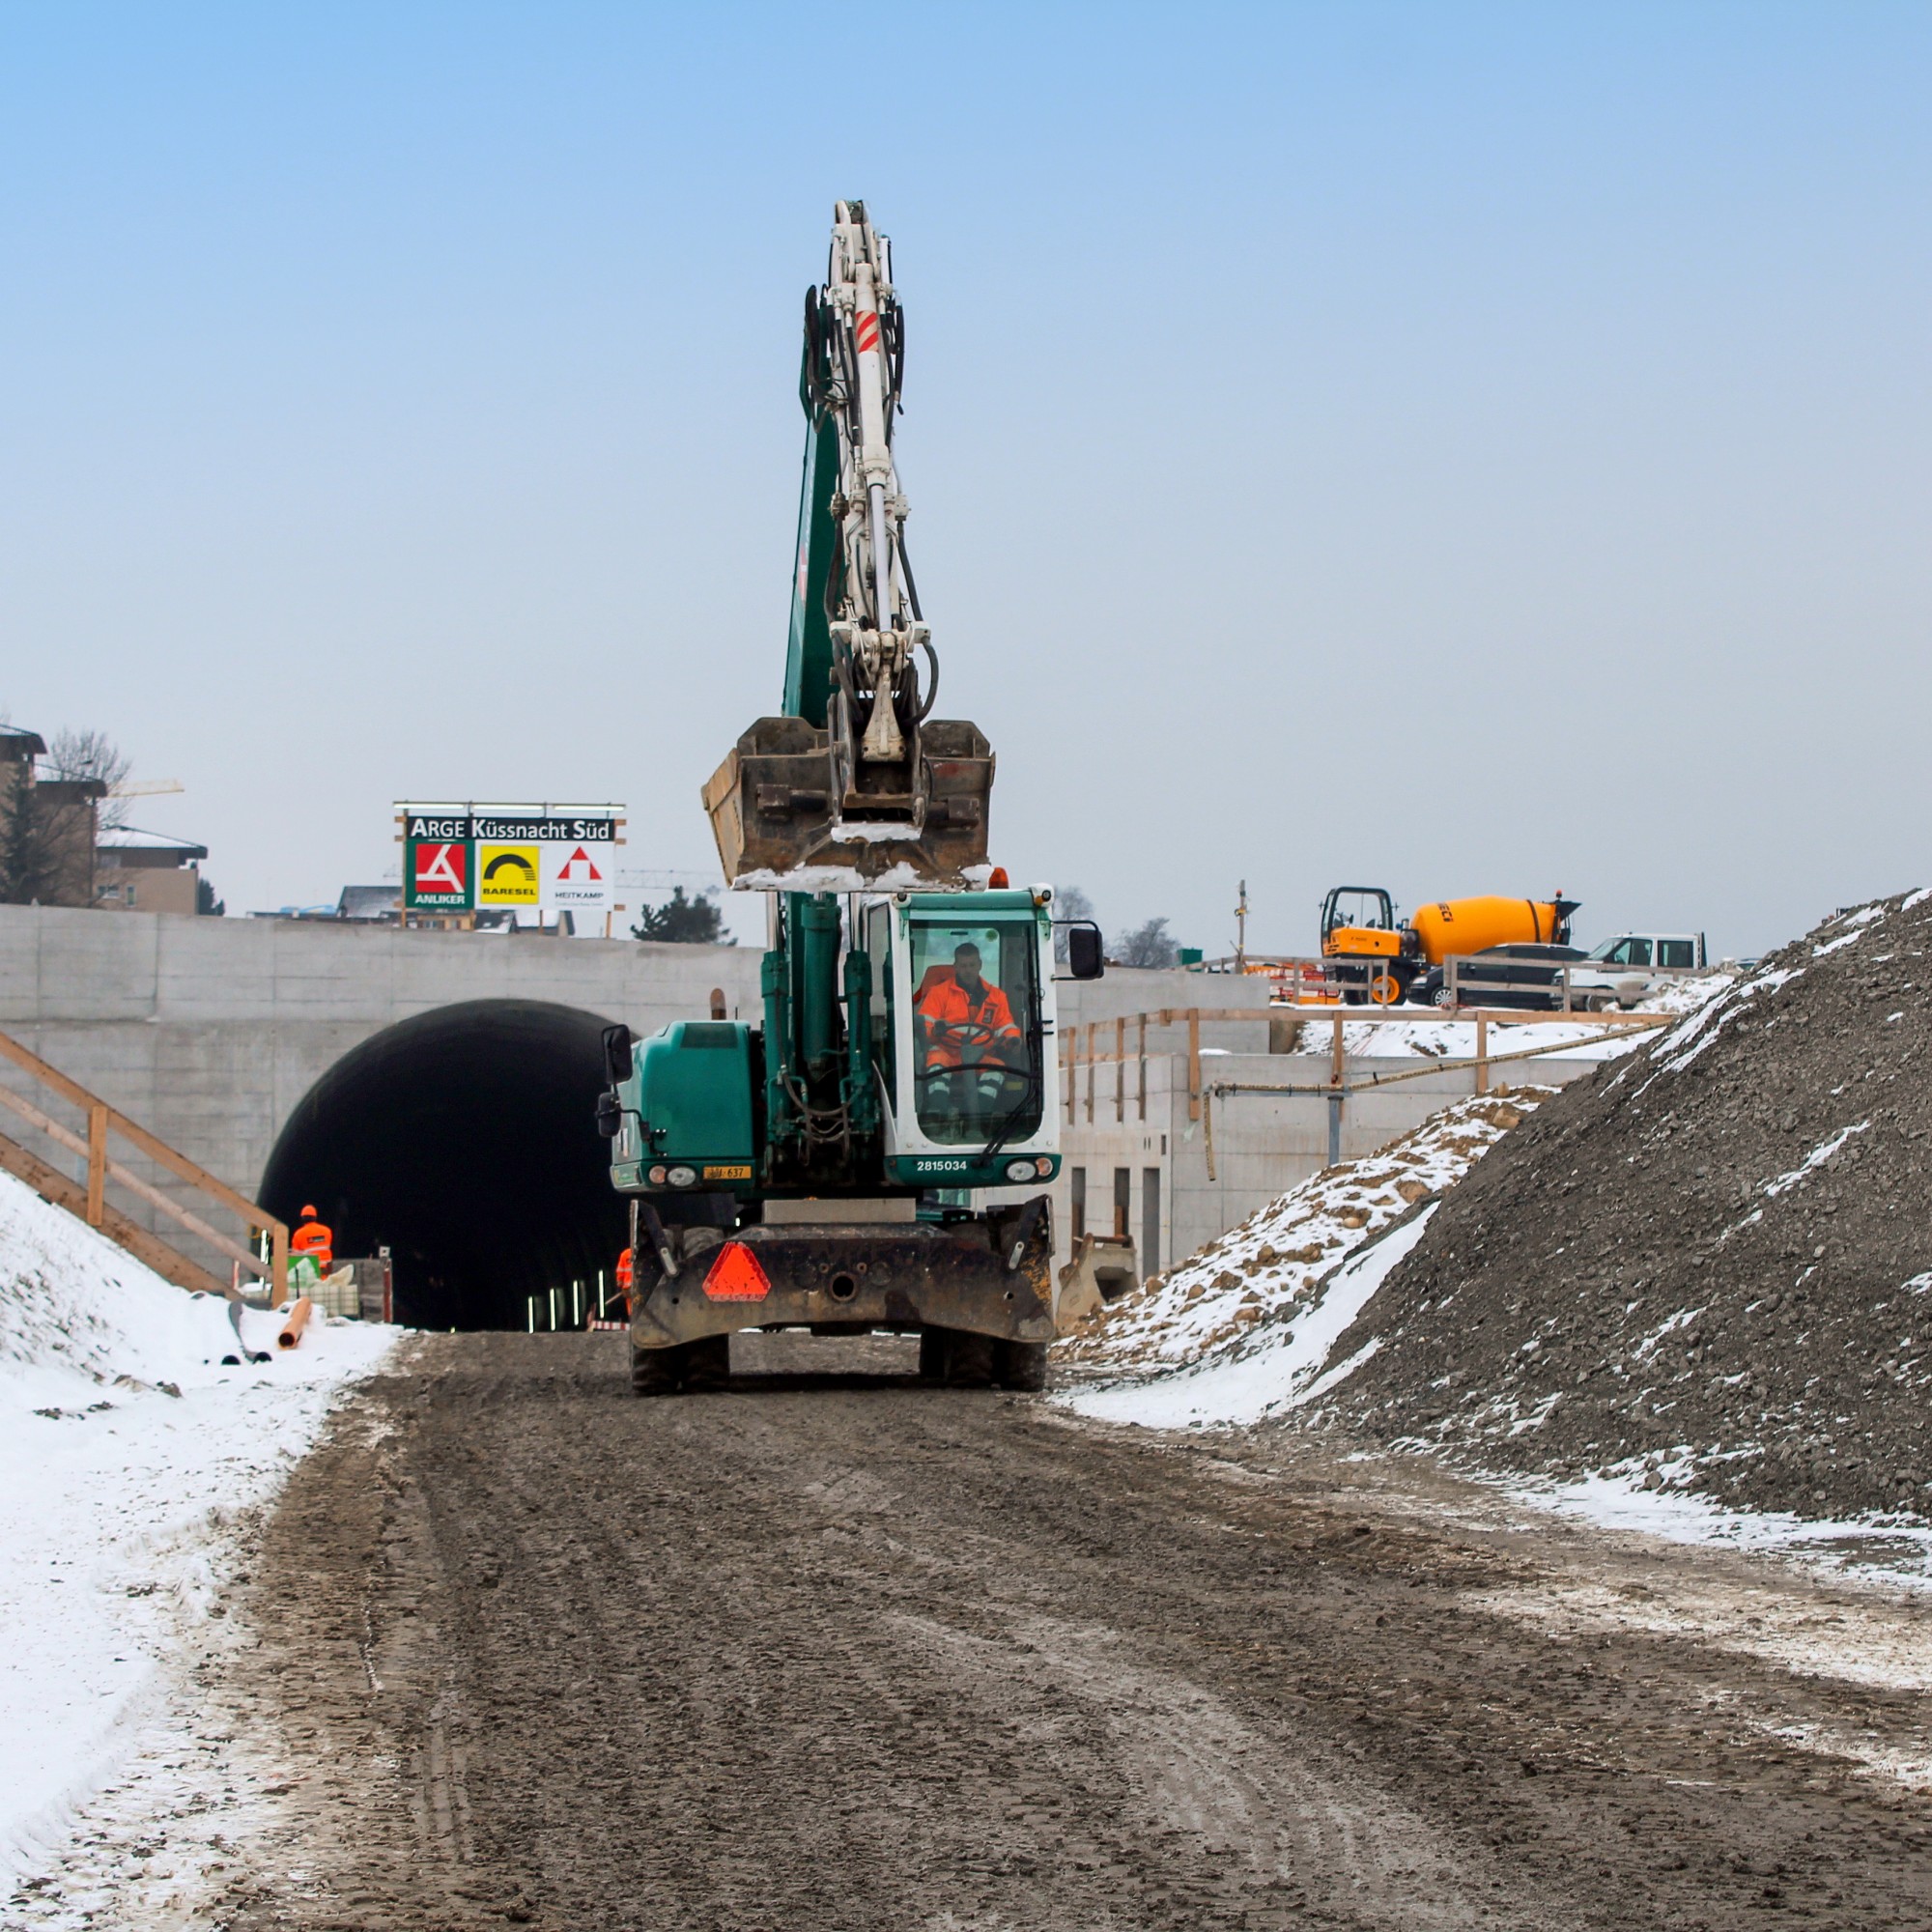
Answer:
[(1633, 964)]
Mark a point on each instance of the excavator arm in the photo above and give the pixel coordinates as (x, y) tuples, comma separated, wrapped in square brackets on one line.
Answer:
[(854, 785)]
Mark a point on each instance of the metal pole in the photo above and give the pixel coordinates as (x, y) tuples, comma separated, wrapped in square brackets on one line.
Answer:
[(1335, 1129)]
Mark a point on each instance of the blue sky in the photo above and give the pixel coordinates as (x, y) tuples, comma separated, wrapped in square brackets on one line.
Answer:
[(1467, 448)]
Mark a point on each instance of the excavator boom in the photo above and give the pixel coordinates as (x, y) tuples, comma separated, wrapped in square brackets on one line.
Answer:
[(854, 785)]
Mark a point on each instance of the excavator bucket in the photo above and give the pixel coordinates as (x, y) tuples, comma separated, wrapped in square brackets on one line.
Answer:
[(784, 821)]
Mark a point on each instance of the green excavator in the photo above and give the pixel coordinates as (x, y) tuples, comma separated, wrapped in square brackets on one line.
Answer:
[(820, 1171)]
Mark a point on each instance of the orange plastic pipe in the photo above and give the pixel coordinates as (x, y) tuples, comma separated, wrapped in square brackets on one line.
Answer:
[(297, 1320)]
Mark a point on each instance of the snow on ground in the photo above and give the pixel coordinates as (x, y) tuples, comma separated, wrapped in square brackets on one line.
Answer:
[(1281, 1371), (1240, 1329), (1895, 1550), (1445, 1038), (132, 1457)]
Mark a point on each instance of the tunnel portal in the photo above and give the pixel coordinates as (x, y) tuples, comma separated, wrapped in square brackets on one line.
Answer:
[(464, 1140)]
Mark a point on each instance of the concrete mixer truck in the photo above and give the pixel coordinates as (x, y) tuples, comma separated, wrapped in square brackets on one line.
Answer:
[(1379, 956)]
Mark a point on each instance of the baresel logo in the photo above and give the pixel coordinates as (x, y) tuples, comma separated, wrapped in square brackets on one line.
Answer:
[(506, 875)]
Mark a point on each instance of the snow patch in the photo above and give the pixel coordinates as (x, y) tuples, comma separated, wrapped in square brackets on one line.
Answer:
[(135, 1456), (1285, 1373)]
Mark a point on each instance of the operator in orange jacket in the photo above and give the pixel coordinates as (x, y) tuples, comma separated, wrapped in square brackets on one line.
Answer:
[(967, 1020)]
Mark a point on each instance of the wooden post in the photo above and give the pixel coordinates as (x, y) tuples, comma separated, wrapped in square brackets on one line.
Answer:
[(1092, 1048), (96, 1163), (1193, 1063), (1144, 1021), (278, 1264), (1482, 1053), (1335, 1064), (1121, 1067)]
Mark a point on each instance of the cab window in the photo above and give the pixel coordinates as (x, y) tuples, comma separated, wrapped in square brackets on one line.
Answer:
[(1676, 952), (976, 1039), (879, 950), (1623, 953)]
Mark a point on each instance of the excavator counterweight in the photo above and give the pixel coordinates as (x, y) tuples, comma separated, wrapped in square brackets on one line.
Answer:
[(855, 786)]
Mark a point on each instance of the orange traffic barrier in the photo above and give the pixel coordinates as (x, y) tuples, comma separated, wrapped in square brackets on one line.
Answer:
[(296, 1321)]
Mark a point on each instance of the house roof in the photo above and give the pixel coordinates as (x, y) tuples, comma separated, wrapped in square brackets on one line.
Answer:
[(17, 745), (368, 901), (129, 837)]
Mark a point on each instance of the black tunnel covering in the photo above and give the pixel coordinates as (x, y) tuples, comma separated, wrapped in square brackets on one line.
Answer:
[(464, 1140)]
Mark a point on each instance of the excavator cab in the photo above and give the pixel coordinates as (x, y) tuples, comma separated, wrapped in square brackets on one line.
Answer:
[(962, 1015)]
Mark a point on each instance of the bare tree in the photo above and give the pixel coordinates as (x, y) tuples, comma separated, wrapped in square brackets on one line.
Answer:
[(50, 818), (1068, 902), (84, 756), (1148, 945)]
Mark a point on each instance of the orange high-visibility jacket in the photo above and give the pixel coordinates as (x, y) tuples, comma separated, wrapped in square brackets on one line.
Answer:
[(624, 1271), (945, 1001), (313, 1239)]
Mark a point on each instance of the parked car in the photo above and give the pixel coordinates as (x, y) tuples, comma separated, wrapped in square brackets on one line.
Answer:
[(1521, 975)]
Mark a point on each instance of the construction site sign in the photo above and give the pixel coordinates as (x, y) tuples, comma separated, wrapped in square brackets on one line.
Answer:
[(553, 857)]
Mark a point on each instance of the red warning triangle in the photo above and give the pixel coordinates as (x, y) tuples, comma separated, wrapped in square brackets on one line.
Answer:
[(736, 1276)]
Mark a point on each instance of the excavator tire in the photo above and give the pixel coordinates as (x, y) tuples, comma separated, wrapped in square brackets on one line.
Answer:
[(1020, 1365), (656, 1371), (954, 1358), (707, 1364)]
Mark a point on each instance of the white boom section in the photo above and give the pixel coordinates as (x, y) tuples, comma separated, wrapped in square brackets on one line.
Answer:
[(875, 625)]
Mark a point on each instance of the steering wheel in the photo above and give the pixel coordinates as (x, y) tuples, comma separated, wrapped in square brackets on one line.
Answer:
[(968, 1035)]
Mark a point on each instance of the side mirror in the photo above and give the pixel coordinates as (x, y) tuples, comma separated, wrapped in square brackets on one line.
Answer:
[(617, 1054), (609, 1114), (1085, 959)]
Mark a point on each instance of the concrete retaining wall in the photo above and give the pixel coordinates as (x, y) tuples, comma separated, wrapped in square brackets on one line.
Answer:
[(209, 1031), (1264, 1144)]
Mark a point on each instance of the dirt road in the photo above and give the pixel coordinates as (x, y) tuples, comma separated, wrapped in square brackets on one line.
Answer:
[(860, 1654)]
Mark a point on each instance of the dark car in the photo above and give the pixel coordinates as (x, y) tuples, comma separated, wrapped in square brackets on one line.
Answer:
[(1505, 976)]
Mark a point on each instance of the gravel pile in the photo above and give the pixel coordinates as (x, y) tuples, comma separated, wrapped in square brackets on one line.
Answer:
[(1709, 1266), (1238, 1292)]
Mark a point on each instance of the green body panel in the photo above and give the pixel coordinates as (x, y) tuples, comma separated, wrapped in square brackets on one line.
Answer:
[(808, 684), (690, 1087), (934, 1170)]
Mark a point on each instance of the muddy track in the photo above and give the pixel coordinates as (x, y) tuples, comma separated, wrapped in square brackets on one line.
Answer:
[(858, 1655)]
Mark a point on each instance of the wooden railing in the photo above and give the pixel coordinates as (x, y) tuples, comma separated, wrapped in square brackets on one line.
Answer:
[(1122, 1055), (92, 1206)]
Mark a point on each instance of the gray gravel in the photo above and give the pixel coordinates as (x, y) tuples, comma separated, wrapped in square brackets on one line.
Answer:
[(1708, 1264)]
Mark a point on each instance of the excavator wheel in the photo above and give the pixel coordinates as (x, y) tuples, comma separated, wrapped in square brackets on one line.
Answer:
[(656, 1371), (952, 1357), (1020, 1365), (688, 1365), (707, 1364)]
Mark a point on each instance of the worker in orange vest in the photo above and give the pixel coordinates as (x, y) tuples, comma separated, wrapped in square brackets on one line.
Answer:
[(314, 1240), (968, 1020), (625, 1275)]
